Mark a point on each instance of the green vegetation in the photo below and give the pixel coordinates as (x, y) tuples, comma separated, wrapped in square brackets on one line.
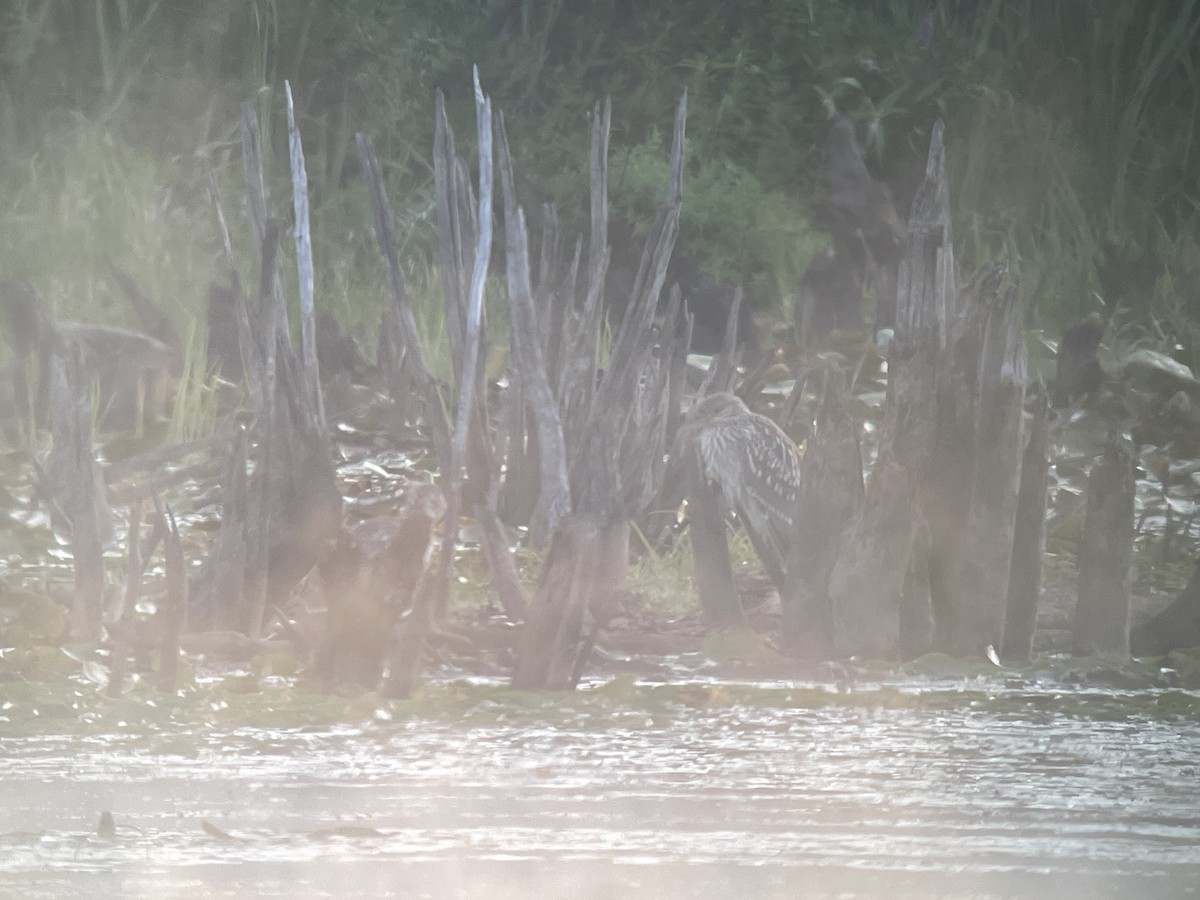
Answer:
[(1069, 126)]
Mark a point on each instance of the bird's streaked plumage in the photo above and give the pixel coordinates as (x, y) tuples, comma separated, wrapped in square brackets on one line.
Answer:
[(756, 469)]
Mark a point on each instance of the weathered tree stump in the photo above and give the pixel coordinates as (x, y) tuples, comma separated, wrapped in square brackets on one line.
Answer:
[(371, 579), (614, 430), (867, 580), (74, 486), (712, 571), (1105, 553), (173, 612), (916, 608), (1176, 626), (831, 492), (1029, 540), (583, 575), (949, 458), (972, 617), (282, 518)]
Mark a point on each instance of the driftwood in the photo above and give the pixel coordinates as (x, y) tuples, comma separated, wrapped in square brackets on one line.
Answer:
[(130, 370), (1105, 553), (1029, 540), (459, 237), (505, 577), (408, 359), (153, 320), (256, 205), (867, 580), (220, 583), (916, 607)]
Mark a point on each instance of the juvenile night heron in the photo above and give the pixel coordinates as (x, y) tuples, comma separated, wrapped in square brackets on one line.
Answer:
[(754, 466)]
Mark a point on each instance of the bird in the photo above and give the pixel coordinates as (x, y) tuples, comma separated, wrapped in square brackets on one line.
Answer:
[(755, 467)]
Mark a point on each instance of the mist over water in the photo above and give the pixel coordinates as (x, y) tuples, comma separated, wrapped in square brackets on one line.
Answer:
[(708, 801)]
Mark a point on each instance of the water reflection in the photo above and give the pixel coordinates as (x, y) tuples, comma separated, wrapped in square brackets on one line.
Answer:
[(707, 802)]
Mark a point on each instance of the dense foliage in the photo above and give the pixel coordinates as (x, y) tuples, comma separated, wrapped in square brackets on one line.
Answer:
[(1070, 128)]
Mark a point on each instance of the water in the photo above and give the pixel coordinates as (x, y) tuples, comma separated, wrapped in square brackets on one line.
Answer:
[(722, 801)]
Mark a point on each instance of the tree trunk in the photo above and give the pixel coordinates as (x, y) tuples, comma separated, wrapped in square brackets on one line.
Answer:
[(916, 608), (831, 492), (74, 485), (174, 604), (866, 584), (584, 573), (974, 613), (1029, 541), (711, 569), (1176, 626), (1105, 552)]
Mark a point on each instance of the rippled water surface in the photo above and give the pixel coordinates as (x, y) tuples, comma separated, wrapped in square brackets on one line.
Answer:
[(712, 801)]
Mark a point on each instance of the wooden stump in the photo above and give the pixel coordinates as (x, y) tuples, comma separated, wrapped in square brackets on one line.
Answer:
[(583, 576), (74, 486), (1105, 552), (371, 579), (831, 492), (711, 568), (1029, 541), (973, 615), (866, 584), (1176, 626)]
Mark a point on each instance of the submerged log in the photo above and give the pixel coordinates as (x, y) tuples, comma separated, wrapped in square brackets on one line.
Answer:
[(1029, 540), (1105, 553)]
